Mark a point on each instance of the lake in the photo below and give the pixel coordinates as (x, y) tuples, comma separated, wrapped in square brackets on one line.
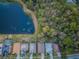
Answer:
[(13, 20)]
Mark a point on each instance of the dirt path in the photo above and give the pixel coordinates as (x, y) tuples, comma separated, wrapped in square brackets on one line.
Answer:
[(28, 11)]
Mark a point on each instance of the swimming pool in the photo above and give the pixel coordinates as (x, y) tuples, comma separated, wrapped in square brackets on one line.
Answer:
[(14, 21)]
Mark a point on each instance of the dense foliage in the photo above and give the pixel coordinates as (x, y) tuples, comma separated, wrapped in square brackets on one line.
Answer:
[(58, 22)]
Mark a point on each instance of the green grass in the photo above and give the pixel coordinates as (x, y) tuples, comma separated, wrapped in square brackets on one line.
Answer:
[(36, 56)]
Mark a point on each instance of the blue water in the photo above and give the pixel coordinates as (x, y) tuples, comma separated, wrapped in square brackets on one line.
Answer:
[(14, 21), (73, 57)]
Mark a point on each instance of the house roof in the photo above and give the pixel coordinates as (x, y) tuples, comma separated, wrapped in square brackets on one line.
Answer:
[(32, 48), (40, 47), (16, 48)]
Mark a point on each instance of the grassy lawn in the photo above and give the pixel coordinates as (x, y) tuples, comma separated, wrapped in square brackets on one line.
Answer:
[(35, 56)]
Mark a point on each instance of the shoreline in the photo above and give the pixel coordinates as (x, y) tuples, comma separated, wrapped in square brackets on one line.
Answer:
[(31, 13)]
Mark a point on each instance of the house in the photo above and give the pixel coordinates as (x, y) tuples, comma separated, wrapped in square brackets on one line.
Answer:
[(24, 49), (48, 48), (7, 47), (57, 50), (16, 48), (32, 48), (40, 47)]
